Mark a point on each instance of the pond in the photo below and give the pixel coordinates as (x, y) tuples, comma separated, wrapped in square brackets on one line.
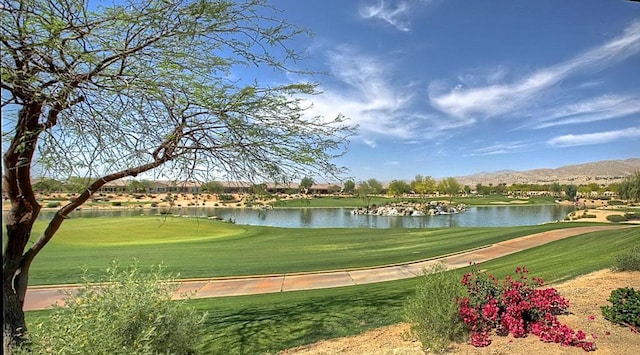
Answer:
[(479, 216)]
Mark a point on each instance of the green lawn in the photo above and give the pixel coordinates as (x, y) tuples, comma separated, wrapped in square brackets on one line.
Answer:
[(203, 248), (349, 201), (268, 323)]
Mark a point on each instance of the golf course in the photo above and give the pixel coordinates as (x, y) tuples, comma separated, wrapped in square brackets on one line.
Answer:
[(200, 248)]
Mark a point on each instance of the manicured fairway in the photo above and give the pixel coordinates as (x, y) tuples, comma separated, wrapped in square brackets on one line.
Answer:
[(268, 323), (255, 324), (204, 248)]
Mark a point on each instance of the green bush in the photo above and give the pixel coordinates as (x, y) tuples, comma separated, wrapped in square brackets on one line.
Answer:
[(129, 313), (226, 198), (616, 218), (433, 312), (616, 203), (625, 307), (116, 203), (632, 215), (53, 204), (628, 260)]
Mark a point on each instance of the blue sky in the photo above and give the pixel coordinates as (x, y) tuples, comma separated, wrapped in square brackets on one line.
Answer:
[(450, 88)]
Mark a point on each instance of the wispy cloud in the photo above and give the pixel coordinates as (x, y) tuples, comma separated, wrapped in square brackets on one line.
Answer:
[(365, 92), (570, 140), (396, 13), (591, 110), (497, 99), (501, 148)]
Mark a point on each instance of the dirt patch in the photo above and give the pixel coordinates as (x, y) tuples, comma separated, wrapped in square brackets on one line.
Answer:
[(512, 202), (586, 295)]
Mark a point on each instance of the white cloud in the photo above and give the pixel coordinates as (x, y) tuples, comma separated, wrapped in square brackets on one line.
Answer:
[(500, 148), (496, 99), (366, 93), (595, 109), (396, 13), (571, 140), (370, 142)]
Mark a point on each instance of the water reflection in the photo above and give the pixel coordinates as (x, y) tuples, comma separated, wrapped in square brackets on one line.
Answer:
[(341, 217)]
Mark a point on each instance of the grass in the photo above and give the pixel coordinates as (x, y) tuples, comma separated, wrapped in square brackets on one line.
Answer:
[(203, 248), (350, 201), (268, 323)]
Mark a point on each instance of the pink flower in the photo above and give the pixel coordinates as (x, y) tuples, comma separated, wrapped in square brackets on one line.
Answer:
[(592, 317)]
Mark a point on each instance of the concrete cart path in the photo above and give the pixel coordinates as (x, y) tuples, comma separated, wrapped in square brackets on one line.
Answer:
[(42, 297)]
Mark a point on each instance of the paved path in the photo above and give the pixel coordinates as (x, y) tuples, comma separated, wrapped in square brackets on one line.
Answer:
[(42, 297)]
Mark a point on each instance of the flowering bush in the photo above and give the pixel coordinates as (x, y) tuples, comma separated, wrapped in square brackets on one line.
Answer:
[(515, 306)]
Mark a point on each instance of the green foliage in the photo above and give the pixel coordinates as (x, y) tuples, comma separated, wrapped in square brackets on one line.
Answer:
[(629, 188), (433, 311), (116, 203), (349, 187), (305, 184), (616, 218), (130, 312), (628, 260), (227, 198), (571, 191), (625, 307), (53, 204), (48, 185), (423, 185), (398, 188), (214, 187)]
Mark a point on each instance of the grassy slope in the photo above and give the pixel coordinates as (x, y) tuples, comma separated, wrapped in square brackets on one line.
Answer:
[(256, 324), (267, 323), (203, 248)]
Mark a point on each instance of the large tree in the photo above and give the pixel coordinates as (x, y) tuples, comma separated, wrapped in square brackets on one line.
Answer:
[(629, 188), (449, 186), (109, 90)]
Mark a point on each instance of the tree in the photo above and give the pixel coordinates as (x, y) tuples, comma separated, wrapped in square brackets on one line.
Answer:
[(398, 188), (629, 188), (349, 187), (449, 186), (113, 90), (139, 186), (305, 184), (47, 186), (213, 187), (571, 191), (423, 185), (556, 189), (366, 189)]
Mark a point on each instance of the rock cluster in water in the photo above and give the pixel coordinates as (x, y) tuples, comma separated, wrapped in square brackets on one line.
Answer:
[(411, 209)]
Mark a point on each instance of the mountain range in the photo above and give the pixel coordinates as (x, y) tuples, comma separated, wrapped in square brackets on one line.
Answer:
[(601, 172)]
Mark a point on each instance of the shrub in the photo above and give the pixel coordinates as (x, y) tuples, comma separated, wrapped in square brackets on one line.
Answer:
[(226, 198), (116, 203), (516, 307), (433, 313), (632, 215), (628, 260), (53, 204), (624, 309), (129, 313), (616, 218)]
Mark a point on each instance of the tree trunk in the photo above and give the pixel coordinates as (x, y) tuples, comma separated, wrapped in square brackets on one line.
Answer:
[(13, 323)]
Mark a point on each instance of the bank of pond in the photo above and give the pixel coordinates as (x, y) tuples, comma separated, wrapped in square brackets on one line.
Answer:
[(473, 216)]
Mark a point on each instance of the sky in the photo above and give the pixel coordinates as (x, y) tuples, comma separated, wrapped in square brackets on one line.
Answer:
[(451, 88)]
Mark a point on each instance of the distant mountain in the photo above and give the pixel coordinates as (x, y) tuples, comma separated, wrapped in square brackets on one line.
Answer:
[(601, 172)]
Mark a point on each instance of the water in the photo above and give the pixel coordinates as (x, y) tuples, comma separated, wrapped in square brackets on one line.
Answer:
[(481, 216)]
